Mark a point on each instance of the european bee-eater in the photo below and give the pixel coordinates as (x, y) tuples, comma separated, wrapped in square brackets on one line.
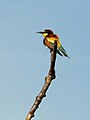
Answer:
[(50, 38)]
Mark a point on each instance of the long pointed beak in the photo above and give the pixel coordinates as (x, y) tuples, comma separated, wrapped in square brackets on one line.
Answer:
[(40, 32)]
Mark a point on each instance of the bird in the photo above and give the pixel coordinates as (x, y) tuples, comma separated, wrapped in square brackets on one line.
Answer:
[(50, 38)]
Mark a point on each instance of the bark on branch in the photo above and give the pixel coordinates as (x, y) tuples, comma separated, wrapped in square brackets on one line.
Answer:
[(48, 80)]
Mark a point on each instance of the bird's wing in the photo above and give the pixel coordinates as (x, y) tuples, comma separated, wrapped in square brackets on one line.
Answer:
[(53, 39)]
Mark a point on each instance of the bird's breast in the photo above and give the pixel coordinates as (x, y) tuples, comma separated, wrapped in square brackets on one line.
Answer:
[(48, 44)]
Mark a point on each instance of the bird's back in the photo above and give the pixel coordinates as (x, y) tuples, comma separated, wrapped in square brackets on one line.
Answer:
[(53, 38)]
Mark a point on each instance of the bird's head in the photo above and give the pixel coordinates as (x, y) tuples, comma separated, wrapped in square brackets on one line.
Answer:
[(46, 32)]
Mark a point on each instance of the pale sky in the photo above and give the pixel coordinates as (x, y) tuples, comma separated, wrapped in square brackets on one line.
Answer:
[(24, 61)]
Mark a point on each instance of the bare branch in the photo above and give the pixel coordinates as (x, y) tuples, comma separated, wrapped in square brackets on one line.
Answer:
[(48, 80)]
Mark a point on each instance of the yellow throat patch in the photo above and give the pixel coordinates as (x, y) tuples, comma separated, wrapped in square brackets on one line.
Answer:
[(45, 34)]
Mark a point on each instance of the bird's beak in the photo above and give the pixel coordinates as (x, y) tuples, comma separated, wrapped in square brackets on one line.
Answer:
[(40, 32)]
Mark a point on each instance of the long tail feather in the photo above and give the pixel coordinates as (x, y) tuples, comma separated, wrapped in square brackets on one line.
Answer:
[(59, 53), (63, 51)]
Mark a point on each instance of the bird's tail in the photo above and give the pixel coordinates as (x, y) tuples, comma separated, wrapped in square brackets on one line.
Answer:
[(62, 50)]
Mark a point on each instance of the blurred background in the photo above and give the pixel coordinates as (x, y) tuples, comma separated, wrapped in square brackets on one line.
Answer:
[(24, 61)]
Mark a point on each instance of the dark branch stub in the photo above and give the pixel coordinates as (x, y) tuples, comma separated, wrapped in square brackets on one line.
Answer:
[(53, 59), (48, 80)]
